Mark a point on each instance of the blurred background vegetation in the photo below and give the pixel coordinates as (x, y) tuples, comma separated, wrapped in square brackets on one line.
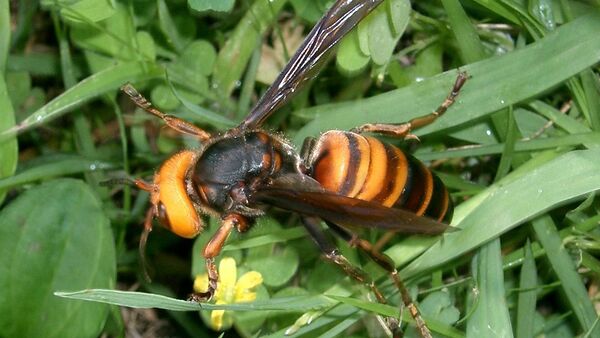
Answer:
[(519, 152)]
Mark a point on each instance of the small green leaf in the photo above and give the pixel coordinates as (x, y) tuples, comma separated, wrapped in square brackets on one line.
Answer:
[(211, 5), (439, 306), (385, 28), (429, 62), (199, 56), (375, 37), (146, 45), (248, 322), (36, 63), (189, 74), (350, 59), (163, 98), (85, 11), (277, 266), (310, 11), (54, 237), (114, 36), (20, 87), (323, 275), (275, 236), (363, 35)]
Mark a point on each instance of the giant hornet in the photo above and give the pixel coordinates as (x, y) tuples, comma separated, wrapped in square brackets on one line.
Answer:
[(342, 177)]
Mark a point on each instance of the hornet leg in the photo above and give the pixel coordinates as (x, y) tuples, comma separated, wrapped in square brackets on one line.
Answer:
[(403, 130), (180, 125), (386, 263), (333, 254), (212, 250)]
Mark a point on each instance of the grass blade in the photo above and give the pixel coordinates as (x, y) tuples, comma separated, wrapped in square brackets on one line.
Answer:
[(527, 295), (590, 140), (9, 150), (580, 175), (58, 167), (491, 317), (564, 268), (469, 43), (94, 86), (150, 300)]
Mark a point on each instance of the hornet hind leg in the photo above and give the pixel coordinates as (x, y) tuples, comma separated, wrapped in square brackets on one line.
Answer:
[(403, 130), (386, 263), (332, 253)]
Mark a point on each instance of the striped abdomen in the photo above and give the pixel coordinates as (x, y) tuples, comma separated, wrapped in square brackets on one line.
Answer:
[(366, 168)]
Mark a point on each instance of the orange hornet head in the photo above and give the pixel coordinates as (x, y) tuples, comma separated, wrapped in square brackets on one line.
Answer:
[(171, 202)]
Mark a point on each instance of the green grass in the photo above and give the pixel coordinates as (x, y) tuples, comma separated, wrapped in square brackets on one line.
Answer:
[(519, 150)]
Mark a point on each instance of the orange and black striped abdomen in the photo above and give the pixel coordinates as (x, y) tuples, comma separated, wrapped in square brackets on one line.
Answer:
[(363, 167)]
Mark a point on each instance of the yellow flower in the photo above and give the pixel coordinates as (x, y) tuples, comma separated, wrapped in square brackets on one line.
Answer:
[(228, 290)]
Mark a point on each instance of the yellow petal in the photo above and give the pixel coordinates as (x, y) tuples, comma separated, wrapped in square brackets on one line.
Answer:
[(201, 283), (248, 281), (221, 319), (216, 318), (246, 297), (227, 272)]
